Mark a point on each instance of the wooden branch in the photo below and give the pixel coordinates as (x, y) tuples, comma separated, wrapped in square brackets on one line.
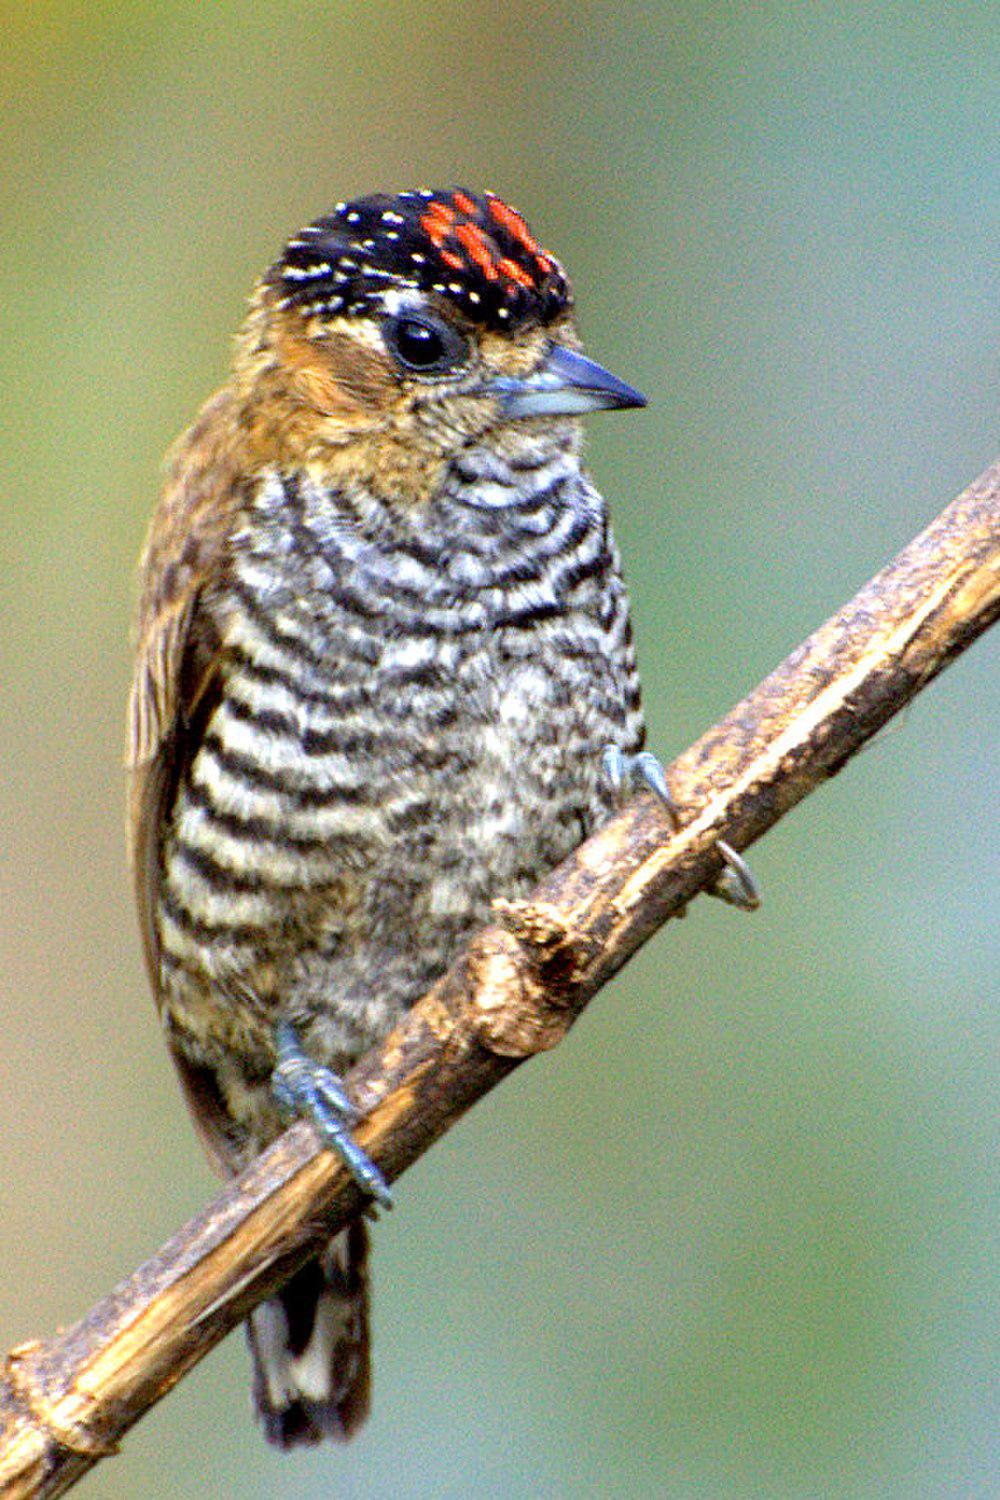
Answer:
[(65, 1402)]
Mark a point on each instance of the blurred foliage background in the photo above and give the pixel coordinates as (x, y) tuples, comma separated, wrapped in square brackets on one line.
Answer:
[(735, 1237)]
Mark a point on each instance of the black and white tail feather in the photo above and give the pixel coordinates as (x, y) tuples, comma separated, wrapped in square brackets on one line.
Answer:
[(310, 1348)]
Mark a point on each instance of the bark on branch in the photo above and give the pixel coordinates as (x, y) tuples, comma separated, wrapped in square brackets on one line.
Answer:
[(66, 1402)]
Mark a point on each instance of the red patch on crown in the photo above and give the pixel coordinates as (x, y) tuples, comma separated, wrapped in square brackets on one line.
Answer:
[(474, 242), (457, 232), (475, 251)]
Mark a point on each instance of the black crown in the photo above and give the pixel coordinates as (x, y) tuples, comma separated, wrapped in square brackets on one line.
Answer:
[(472, 250)]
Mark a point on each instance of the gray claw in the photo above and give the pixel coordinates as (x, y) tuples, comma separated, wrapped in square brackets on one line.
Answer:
[(736, 883), (304, 1089), (625, 771)]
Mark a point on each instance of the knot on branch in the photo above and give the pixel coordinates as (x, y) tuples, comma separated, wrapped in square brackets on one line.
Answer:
[(525, 974)]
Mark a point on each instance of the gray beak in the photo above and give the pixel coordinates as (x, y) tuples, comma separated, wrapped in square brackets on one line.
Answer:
[(566, 385)]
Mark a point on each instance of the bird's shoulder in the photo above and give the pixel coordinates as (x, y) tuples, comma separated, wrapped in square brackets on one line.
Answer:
[(177, 644), (205, 486)]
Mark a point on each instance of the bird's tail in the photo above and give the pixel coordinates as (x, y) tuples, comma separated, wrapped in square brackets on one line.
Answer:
[(310, 1347)]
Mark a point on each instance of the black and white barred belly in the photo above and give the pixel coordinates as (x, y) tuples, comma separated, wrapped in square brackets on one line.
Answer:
[(413, 711)]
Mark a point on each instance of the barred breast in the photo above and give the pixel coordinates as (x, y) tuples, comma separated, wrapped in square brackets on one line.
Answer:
[(410, 723)]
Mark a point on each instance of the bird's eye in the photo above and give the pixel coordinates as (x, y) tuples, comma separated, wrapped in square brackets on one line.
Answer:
[(423, 344)]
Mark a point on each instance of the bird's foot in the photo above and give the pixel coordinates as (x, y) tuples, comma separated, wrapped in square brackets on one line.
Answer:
[(304, 1089), (635, 772)]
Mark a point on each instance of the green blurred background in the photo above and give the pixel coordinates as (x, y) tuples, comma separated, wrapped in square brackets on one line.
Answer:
[(736, 1237)]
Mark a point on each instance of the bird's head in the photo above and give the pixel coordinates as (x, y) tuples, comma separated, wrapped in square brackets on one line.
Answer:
[(397, 331)]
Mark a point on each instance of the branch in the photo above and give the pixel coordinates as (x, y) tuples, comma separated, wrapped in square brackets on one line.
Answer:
[(517, 988)]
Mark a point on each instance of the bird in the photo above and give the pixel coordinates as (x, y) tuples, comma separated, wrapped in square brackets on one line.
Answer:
[(384, 675)]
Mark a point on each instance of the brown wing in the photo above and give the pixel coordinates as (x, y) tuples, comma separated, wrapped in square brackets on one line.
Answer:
[(177, 680)]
